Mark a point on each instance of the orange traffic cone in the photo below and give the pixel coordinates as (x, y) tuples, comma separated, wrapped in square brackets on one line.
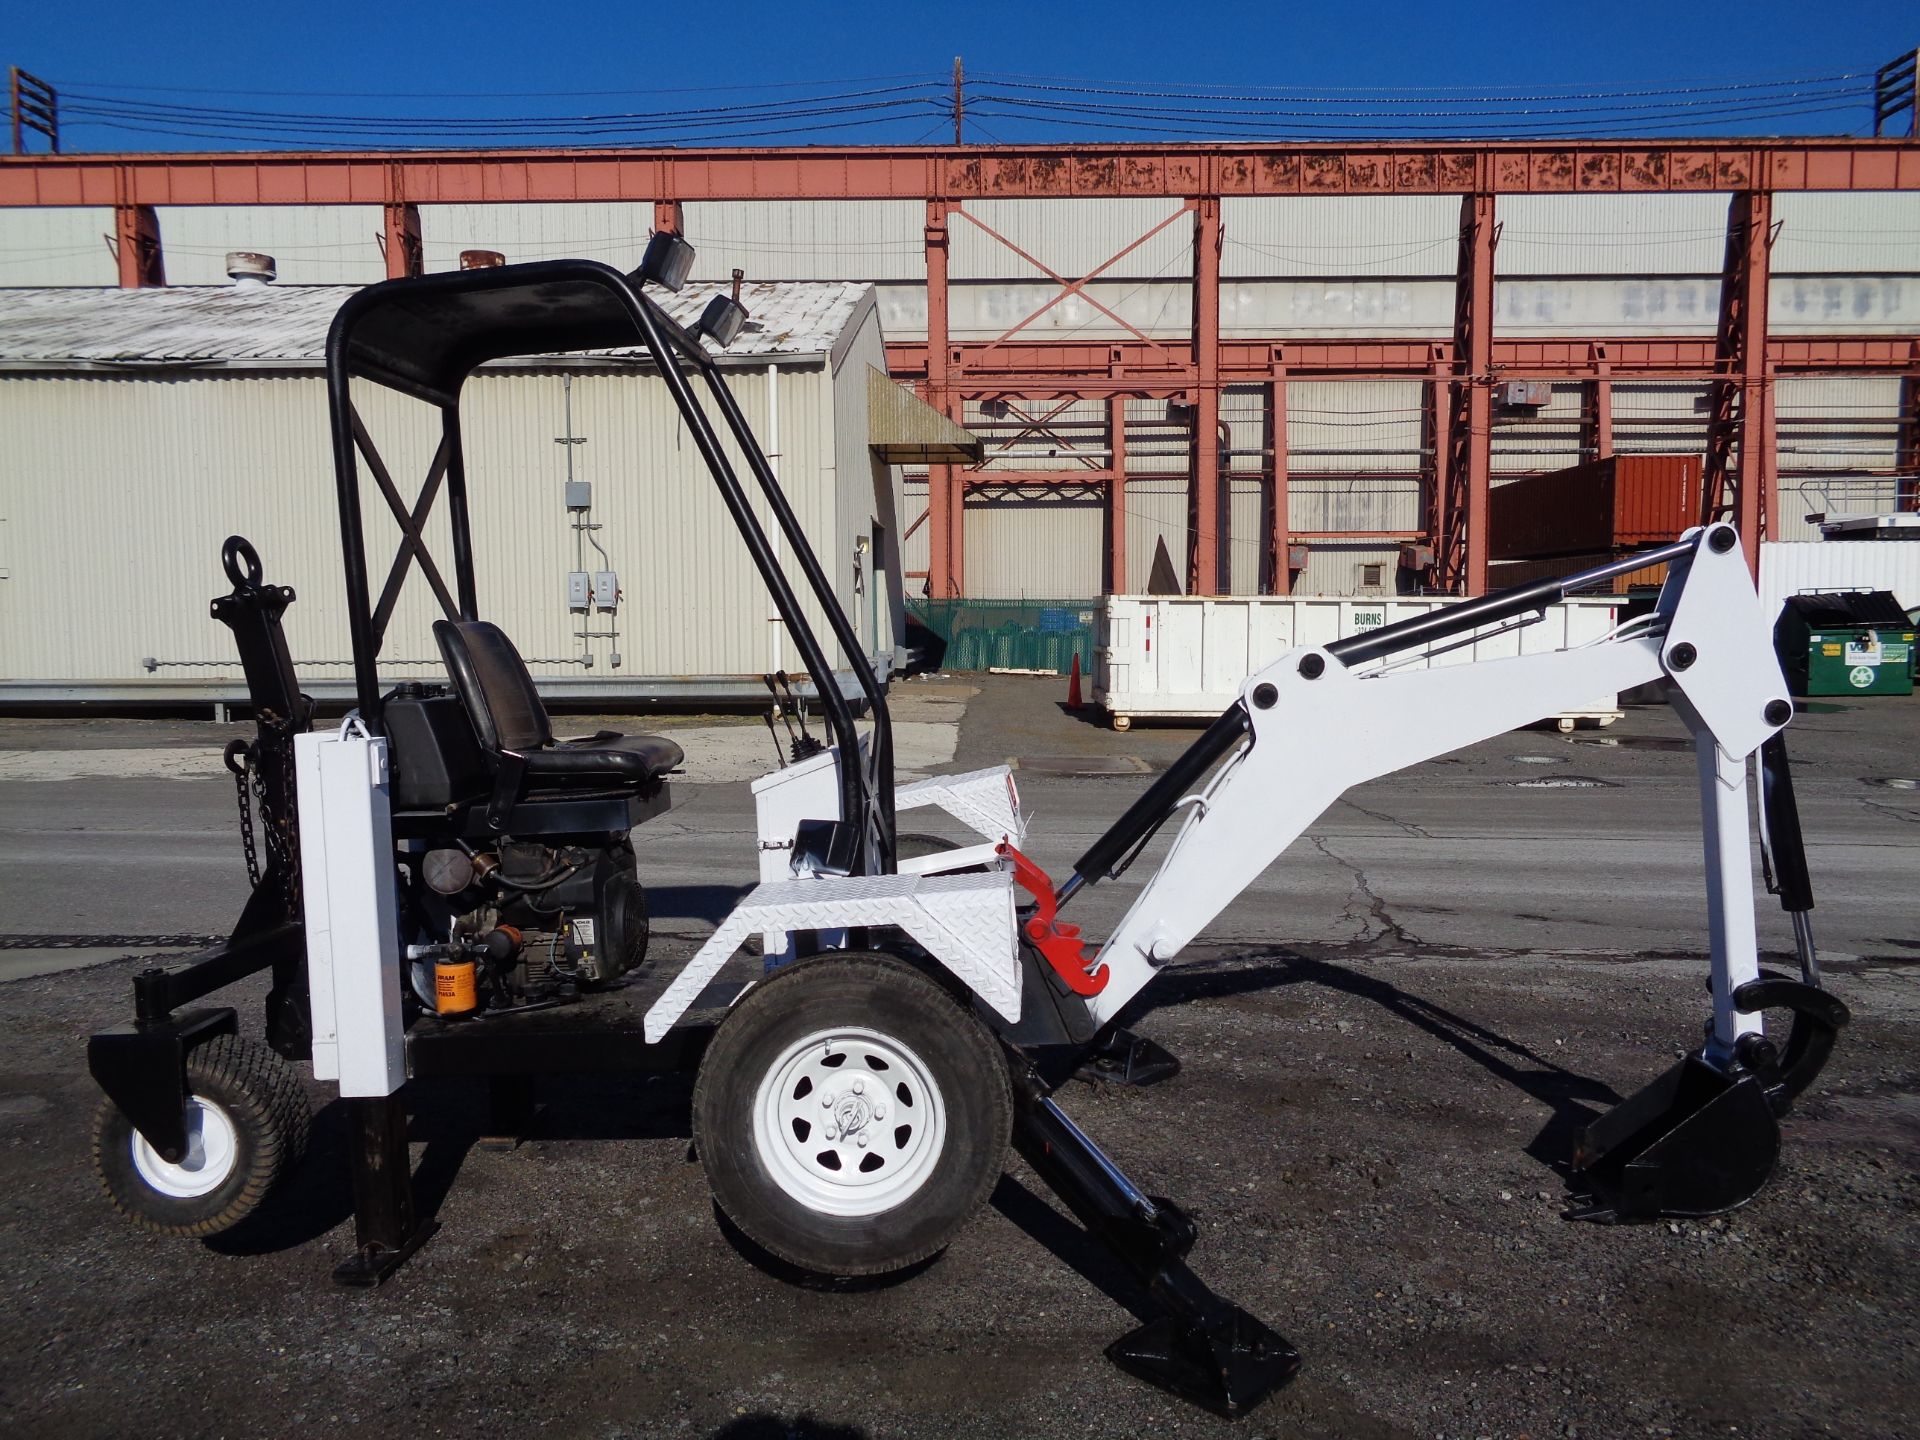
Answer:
[(1073, 684)]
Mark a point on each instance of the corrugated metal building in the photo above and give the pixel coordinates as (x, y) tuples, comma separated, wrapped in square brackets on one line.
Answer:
[(1362, 267), (145, 426)]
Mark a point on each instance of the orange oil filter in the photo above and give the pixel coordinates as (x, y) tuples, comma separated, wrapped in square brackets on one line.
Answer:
[(455, 991)]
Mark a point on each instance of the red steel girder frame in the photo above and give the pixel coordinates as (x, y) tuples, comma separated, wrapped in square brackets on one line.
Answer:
[(136, 246), (1742, 397), (1279, 578), (948, 172), (1105, 367), (1207, 543), (1458, 521), (400, 242)]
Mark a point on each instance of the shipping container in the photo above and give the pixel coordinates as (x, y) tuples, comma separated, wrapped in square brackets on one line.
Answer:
[(1624, 500), (1187, 658)]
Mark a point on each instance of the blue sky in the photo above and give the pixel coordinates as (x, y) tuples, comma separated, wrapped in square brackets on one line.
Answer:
[(483, 59)]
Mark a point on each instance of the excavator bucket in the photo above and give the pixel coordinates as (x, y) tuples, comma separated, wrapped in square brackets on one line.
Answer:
[(1695, 1142)]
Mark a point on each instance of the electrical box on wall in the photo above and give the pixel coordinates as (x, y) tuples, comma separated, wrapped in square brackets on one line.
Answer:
[(606, 590), (579, 494), (578, 592), (1522, 394)]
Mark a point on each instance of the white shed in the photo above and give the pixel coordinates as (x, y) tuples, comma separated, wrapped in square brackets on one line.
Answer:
[(143, 427)]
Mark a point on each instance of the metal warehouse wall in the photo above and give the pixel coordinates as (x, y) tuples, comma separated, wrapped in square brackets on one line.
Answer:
[(67, 245), (136, 481), (615, 233)]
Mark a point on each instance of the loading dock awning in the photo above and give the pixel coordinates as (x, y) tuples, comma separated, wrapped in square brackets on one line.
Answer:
[(904, 430)]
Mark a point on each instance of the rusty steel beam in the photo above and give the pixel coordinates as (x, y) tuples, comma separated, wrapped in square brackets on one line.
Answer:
[(400, 241), (1279, 567), (1741, 423), (136, 246), (1117, 495), (945, 495), (1081, 368), (1205, 547), (1411, 167)]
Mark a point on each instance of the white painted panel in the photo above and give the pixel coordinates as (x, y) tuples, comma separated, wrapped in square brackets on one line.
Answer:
[(1545, 439), (1156, 509), (1354, 425), (1789, 569), (1653, 305), (613, 231), (1863, 232), (180, 463), (1246, 533), (311, 244), (1072, 238), (1345, 570), (985, 311), (1339, 235), (809, 239), (903, 310), (1035, 544), (1623, 234), (58, 245), (1841, 304), (1349, 503), (1281, 308)]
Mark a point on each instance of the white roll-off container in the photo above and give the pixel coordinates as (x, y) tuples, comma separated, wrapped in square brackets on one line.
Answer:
[(1185, 658)]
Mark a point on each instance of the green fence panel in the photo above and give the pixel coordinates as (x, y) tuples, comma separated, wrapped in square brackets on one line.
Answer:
[(1011, 634)]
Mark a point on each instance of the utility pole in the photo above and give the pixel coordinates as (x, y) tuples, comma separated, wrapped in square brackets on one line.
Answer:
[(959, 99)]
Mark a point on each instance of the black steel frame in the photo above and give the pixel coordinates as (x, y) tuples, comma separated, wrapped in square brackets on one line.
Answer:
[(673, 352)]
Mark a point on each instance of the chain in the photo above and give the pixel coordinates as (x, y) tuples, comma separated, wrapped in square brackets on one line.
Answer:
[(239, 759)]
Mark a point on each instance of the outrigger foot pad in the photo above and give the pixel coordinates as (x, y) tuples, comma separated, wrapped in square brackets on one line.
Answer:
[(1703, 1138), (1124, 1058), (370, 1265), (1227, 1363)]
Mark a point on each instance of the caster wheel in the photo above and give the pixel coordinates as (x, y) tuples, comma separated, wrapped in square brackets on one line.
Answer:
[(247, 1120), (851, 1115), (1566, 727), (1123, 722)]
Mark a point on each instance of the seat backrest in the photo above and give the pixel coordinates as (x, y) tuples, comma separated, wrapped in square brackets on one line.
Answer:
[(493, 685)]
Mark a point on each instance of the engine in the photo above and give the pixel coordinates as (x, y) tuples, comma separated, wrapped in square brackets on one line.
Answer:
[(524, 925)]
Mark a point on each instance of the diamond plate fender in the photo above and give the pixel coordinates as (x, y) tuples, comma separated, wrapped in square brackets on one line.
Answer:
[(966, 922), (985, 801)]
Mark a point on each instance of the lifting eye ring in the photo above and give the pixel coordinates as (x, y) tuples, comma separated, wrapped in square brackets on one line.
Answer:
[(236, 550)]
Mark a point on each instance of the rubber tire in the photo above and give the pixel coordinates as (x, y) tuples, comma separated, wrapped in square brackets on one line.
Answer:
[(894, 998), (261, 1095), (917, 845)]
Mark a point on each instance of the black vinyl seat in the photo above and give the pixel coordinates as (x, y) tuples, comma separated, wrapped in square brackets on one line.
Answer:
[(514, 730)]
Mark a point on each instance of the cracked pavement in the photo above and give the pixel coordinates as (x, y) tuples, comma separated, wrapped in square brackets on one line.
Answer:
[(1388, 1043)]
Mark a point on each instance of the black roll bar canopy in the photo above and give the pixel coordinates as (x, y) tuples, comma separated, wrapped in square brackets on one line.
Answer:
[(424, 336)]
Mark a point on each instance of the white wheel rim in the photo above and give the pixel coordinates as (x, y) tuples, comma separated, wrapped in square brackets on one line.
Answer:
[(213, 1148), (849, 1122)]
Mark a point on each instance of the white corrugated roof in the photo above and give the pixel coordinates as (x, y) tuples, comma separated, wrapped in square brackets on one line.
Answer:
[(287, 324)]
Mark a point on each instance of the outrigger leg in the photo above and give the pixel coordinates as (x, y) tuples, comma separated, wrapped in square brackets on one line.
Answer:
[(1206, 1350)]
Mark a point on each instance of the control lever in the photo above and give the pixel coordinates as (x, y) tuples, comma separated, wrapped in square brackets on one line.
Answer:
[(806, 745)]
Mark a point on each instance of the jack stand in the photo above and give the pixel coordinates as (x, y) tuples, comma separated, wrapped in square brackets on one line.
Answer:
[(1204, 1349), (386, 1231), (1124, 1058), (510, 1112)]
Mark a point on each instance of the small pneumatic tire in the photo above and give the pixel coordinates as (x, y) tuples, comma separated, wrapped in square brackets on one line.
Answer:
[(939, 1070), (248, 1119)]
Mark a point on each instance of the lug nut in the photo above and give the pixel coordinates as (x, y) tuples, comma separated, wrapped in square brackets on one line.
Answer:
[(832, 1134), (861, 1142), (826, 1102), (859, 1087), (879, 1112)]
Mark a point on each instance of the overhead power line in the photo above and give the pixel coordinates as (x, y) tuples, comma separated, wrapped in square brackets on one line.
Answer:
[(1021, 109)]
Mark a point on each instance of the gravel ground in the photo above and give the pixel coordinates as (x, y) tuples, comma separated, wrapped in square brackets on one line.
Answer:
[(1369, 1132)]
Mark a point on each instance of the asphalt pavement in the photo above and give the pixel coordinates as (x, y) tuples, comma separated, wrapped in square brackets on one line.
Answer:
[(1388, 1042)]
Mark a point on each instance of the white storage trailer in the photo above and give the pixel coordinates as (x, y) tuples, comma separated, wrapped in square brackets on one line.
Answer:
[(140, 423), (1186, 658)]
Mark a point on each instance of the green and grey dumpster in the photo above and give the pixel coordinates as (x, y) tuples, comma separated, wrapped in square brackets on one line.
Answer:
[(1849, 642)]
